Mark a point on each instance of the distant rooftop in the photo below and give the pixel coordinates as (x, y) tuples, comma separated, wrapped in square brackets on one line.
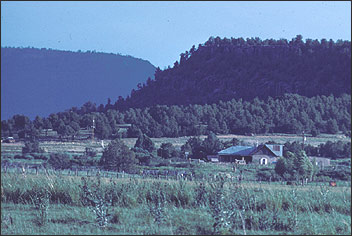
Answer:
[(237, 150), (276, 149)]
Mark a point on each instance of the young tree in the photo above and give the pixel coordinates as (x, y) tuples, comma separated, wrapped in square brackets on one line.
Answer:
[(166, 150), (285, 166), (143, 156), (117, 156), (145, 143), (197, 148), (295, 166), (232, 142), (280, 167), (212, 144), (303, 166), (31, 146)]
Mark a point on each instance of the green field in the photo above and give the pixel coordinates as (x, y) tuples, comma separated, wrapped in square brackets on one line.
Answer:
[(11, 149), (150, 206), (170, 206)]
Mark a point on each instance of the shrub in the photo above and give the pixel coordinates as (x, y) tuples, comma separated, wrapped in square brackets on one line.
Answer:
[(90, 152), (267, 174), (18, 157), (142, 155), (39, 157), (59, 161), (31, 146), (341, 174), (167, 150)]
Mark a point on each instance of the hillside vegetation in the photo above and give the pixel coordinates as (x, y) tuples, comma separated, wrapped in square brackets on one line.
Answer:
[(225, 86), (223, 69), (43, 81)]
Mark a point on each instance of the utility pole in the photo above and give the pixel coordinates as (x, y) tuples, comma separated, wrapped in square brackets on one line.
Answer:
[(304, 138), (93, 127)]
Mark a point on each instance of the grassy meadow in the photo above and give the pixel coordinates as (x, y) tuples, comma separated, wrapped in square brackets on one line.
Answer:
[(152, 206), (63, 204)]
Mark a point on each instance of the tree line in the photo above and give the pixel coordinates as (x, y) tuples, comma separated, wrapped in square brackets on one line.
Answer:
[(290, 113)]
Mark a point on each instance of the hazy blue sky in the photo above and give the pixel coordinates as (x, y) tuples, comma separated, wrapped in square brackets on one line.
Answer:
[(160, 31)]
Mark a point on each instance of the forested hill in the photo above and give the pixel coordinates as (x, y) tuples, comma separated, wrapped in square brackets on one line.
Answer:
[(223, 69), (43, 81)]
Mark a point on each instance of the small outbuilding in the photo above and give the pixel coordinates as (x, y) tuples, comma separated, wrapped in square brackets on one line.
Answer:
[(320, 161)]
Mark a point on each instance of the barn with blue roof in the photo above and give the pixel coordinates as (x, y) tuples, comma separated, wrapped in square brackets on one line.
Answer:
[(263, 154)]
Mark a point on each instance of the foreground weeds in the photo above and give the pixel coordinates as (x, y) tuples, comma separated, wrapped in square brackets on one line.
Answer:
[(70, 205)]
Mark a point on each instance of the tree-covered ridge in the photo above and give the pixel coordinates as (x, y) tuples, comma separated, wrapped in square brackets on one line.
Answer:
[(290, 113), (44, 81), (223, 69)]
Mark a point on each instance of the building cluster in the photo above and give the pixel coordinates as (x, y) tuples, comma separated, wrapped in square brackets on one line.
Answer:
[(263, 154)]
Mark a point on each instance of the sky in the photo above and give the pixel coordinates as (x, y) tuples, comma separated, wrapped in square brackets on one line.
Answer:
[(160, 31)]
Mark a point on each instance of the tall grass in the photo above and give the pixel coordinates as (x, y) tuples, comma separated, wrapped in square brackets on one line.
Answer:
[(178, 207)]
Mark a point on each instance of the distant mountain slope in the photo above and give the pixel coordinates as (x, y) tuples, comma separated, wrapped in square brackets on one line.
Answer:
[(43, 81), (223, 69)]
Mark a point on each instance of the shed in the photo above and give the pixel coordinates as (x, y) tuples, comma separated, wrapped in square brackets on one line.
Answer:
[(320, 161)]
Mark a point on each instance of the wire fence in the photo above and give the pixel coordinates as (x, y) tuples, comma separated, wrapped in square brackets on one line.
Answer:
[(39, 169)]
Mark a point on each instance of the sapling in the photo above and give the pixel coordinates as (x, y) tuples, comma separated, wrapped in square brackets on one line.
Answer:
[(97, 200), (41, 201)]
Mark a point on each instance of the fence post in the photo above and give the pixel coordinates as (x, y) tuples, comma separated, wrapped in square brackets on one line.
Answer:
[(23, 170)]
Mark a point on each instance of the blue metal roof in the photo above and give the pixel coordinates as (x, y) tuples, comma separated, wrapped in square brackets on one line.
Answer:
[(278, 153), (249, 150), (237, 150)]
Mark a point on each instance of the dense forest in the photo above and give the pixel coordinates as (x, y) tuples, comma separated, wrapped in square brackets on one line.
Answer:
[(223, 69), (224, 86), (290, 113), (44, 81)]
